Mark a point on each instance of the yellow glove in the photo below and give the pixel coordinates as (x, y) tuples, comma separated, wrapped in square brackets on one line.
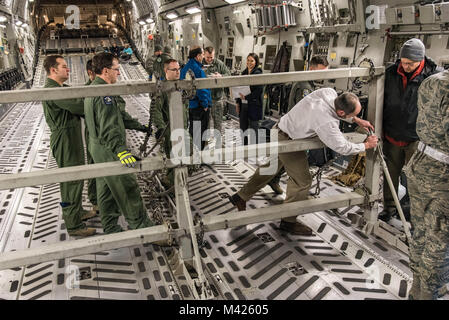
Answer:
[(127, 159)]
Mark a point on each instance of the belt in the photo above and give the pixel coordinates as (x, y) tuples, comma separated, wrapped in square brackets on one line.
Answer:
[(276, 126), (433, 153)]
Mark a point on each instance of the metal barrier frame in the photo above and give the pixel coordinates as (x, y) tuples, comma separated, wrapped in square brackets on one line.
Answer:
[(186, 233)]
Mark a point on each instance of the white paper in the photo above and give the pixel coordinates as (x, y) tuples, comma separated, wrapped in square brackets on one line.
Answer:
[(235, 91)]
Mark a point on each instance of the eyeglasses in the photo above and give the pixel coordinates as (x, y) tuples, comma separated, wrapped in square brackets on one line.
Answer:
[(411, 64), (175, 69), (115, 69)]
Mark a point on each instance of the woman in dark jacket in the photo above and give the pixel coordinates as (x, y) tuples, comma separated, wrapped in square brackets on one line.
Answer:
[(250, 112)]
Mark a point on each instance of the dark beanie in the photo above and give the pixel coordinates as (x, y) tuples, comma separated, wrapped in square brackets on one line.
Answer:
[(413, 49), (157, 48)]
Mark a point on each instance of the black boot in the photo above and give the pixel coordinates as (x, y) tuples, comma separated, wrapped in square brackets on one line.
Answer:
[(238, 202), (387, 214)]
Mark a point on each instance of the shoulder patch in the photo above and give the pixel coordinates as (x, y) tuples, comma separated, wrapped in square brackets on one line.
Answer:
[(107, 100), (159, 59)]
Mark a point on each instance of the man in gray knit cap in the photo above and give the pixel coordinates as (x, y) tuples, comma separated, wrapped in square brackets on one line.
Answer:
[(402, 81)]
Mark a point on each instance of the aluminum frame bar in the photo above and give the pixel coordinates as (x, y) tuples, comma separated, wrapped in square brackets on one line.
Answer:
[(40, 177), (13, 96), (94, 244)]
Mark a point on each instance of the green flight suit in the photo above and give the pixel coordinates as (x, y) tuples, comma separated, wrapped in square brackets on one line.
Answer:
[(66, 143), (217, 94), (161, 119), (91, 185), (107, 137)]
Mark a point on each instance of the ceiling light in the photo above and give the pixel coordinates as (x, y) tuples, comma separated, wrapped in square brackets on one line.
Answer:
[(18, 23), (234, 1), (3, 19), (172, 15), (141, 22), (149, 20), (24, 25), (193, 10)]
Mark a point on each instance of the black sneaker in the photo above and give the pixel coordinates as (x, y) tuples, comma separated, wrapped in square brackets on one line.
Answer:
[(387, 214)]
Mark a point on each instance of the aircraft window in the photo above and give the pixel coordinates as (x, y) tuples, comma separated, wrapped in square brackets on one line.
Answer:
[(270, 55), (335, 41), (238, 60), (227, 24), (351, 41), (228, 63)]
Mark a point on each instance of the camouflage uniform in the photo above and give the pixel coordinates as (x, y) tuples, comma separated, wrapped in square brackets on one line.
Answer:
[(161, 119), (299, 90), (428, 183), (149, 64), (217, 94)]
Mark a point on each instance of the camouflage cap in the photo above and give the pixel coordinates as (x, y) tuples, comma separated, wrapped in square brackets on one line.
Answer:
[(167, 49), (157, 48)]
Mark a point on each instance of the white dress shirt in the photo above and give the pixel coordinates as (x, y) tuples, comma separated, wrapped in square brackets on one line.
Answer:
[(315, 115)]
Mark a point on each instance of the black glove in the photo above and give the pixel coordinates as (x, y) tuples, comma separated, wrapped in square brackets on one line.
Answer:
[(158, 133), (147, 129)]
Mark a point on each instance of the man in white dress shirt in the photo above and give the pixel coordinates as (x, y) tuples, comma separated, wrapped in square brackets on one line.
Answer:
[(318, 114)]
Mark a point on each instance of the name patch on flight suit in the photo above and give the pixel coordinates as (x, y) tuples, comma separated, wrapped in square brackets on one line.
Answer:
[(107, 100)]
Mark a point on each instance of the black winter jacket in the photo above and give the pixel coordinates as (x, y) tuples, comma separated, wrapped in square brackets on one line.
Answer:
[(400, 106), (255, 105)]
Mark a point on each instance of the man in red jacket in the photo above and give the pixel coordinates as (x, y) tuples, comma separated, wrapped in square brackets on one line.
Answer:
[(402, 81)]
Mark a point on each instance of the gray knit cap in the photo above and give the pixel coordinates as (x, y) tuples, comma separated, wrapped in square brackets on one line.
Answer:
[(157, 48), (413, 49)]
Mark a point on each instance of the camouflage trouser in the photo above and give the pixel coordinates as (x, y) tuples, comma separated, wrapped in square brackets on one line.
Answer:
[(217, 114), (428, 184)]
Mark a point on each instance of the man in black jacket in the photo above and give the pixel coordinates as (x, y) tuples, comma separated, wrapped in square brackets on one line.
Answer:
[(402, 81)]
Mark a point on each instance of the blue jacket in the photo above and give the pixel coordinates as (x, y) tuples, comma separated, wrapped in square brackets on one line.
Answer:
[(128, 51), (203, 96)]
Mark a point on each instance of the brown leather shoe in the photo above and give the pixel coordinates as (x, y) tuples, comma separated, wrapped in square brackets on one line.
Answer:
[(86, 232), (276, 188), (238, 202), (297, 228), (87, 214)]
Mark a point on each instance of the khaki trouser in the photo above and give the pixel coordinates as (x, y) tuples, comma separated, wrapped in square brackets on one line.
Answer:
[(396, 158), (299, 181)]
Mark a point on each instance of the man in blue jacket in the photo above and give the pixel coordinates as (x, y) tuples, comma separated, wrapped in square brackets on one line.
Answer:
[(199, 106)]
